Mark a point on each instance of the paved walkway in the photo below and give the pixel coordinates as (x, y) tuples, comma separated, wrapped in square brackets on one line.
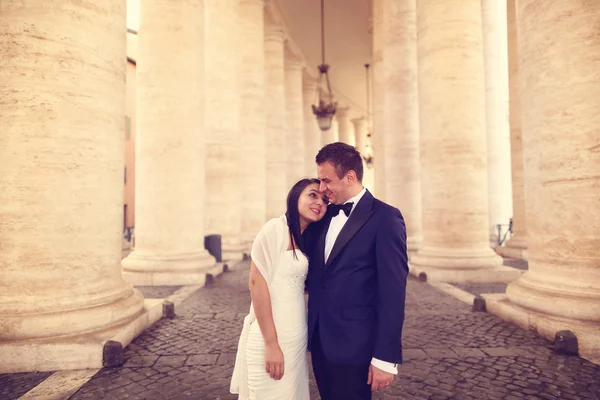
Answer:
[(450, 352)]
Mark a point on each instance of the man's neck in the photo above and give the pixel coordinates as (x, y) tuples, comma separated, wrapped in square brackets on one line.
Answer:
[(353, 192)]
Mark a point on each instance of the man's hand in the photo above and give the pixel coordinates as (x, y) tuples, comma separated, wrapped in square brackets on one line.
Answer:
[(379, 379)]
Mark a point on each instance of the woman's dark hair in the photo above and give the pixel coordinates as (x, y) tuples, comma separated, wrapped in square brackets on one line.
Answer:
[(343, 157), (293, 215)]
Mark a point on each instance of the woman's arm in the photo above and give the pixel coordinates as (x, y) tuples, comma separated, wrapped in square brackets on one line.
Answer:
[(261, 301)]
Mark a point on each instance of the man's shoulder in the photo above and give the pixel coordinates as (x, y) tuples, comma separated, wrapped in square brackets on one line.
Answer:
[(385, 209)]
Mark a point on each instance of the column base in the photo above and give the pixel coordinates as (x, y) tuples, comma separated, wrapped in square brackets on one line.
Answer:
[(515, 247), (493, 239), (588, 333), (413, 245), (483, 275), (144, 269), (461, 266), (78, 351), (233, 250)]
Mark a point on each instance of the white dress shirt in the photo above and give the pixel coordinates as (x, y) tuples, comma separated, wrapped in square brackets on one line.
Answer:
[(335, 227)]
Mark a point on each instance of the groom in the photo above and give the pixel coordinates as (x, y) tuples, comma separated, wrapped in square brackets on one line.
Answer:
[(356, 282)]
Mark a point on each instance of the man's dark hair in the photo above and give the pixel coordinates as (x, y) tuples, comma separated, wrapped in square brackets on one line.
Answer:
[(343, 157)]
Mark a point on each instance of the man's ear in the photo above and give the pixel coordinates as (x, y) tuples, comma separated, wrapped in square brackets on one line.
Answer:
[(351, 176)]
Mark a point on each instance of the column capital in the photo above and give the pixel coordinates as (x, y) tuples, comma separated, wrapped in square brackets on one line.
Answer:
[(309, 84), (293, 60), (342, 111), (358, 121), (294, 64), (275, 33)]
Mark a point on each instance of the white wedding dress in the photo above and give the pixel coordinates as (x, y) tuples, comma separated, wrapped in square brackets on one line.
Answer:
[(285, 276)]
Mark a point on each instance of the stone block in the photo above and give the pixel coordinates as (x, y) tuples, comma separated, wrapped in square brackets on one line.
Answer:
[(168, 310), (112, 354), (479, 304)]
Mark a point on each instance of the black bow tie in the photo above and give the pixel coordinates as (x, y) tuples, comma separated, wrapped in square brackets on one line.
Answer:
[(334, 209)]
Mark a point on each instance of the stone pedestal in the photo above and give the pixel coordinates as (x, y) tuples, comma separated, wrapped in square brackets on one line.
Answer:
[(277, 131), (253, 138), (312, 133), (61, 182), (295, 163), (496, 99), (169, 246), (222, 123), (401, 116), (378, 100), (345, 126), (453, 149), (561, 290), (516, 246)]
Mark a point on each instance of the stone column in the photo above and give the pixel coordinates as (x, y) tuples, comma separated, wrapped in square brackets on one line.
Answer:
[(332, 134), (401, 116), (276, 127), (169, 232), (312, 133), (222, 123), (345, 126), (455, 219), (61, 180), (360, 134), (498, 131), (362, 142), (516, 246), (253, 137), (378, 99), (295, 163), (561, 131)]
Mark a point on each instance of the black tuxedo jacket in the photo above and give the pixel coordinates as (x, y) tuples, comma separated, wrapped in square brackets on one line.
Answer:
[(357, 297)]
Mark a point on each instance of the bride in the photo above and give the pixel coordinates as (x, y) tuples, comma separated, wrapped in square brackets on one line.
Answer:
[(271, 361)]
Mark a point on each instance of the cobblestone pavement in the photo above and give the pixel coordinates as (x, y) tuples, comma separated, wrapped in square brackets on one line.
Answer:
[(450, 353), (13, 386)]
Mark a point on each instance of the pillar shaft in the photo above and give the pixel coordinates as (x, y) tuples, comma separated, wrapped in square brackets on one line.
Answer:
[(253, 137), (276, 127), (222, 102), (401, 115), (497, 126), (516, 246), (222, 122), (332, 134), (378, 101), (169, 244), (361, 132), (561, 131), (295, 120), (345, 126), (61, 176), (312, 133), (453, 147)]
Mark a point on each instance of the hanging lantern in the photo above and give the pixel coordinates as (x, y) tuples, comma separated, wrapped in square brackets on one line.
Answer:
[(325, 106)]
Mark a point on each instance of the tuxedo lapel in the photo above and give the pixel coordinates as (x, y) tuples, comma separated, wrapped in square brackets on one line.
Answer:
[(358, 218), (322, 239)]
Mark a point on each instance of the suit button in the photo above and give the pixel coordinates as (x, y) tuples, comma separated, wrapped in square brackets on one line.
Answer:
[(324, 286)]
